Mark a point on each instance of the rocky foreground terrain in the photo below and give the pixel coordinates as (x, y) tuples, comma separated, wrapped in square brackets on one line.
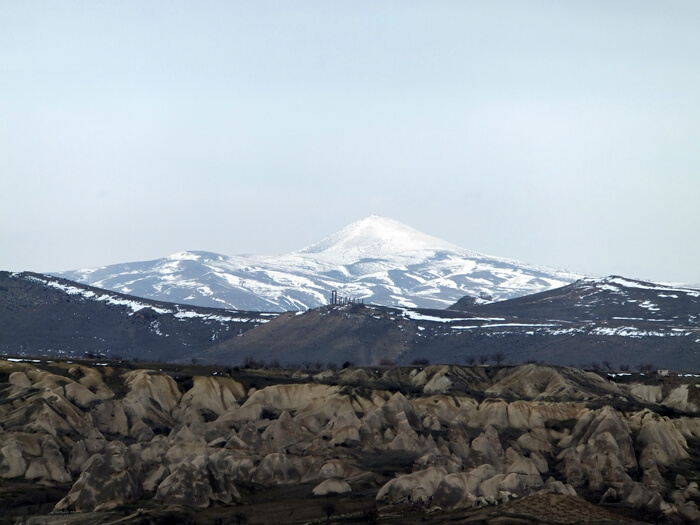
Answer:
[(105, 442)]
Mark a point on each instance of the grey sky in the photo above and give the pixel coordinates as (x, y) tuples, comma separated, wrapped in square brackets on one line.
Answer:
[(558, 133)]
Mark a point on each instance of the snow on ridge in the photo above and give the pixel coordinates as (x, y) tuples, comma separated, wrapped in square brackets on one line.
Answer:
[(184, 256), (135, 305)]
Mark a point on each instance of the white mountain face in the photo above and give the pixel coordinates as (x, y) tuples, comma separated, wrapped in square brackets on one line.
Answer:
[(376, 260)]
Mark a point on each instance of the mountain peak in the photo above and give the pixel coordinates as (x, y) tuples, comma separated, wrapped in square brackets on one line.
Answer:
[(376, 236)]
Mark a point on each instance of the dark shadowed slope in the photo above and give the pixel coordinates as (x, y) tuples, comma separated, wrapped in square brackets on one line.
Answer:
[(42, 315)]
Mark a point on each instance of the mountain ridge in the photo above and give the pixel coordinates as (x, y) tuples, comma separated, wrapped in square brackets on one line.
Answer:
[(376, 259), (612, 320)]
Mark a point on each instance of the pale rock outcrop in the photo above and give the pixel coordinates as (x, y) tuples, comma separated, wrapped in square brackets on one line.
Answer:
[(235, 416), (462, 489), (405, 437), (331, 486), (606, 420), (490, 489), (12, 462), (678, 398), (659, 441), (292, 397), (83, 450), (340, 469), (209, 397), (319, 415), (344, 429), (151, 397), (439, 383), (487, 449), (398, 404), (141, 432), (276, 469), (543, 382), (559, 487), (527, 473), (652, 478), (491, 413), (459, 441), (602, 461), (689, 427), (80, 395), (59, 417), (451, 463), (49, 465), (152, 452), (417, 487), (646, 393), (418, 377), (283, 433), (535, 441), (185, 434), (92, 380), (109, 417), (107, 480), (445, 408), (689, 511), (155, 477), (540, 462), (19, 382), (197, 484)]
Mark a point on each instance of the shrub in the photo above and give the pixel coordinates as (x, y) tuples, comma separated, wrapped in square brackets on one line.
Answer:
[(329, 509)]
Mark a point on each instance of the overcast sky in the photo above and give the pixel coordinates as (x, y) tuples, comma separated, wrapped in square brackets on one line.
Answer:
[(558, 133)]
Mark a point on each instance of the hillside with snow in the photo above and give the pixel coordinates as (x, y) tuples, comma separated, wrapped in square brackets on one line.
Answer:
[(376, 260), (614, 320)]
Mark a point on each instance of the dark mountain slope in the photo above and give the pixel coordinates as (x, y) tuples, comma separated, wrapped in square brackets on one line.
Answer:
[(610, 298), (42, 315), (611, 320)]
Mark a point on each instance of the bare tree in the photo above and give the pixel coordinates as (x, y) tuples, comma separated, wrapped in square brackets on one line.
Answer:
[(483, 358), (499, 357), (329, 509)]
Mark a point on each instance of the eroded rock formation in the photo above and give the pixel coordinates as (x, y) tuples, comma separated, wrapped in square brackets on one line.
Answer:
[(115, 436)]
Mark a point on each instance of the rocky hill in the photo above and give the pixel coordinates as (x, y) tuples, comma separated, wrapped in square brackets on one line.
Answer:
[(43, 315), (614, 320), (87, 443), (376, 259)]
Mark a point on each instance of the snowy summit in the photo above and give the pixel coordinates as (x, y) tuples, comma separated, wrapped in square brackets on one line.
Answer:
[(376, 259), (375, 237)]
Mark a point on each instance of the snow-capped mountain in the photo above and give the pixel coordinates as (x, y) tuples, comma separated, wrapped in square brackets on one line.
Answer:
[(376, 260)]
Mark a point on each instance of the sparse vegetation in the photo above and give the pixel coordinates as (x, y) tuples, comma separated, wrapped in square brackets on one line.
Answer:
[(328, 509), (499, 358)]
